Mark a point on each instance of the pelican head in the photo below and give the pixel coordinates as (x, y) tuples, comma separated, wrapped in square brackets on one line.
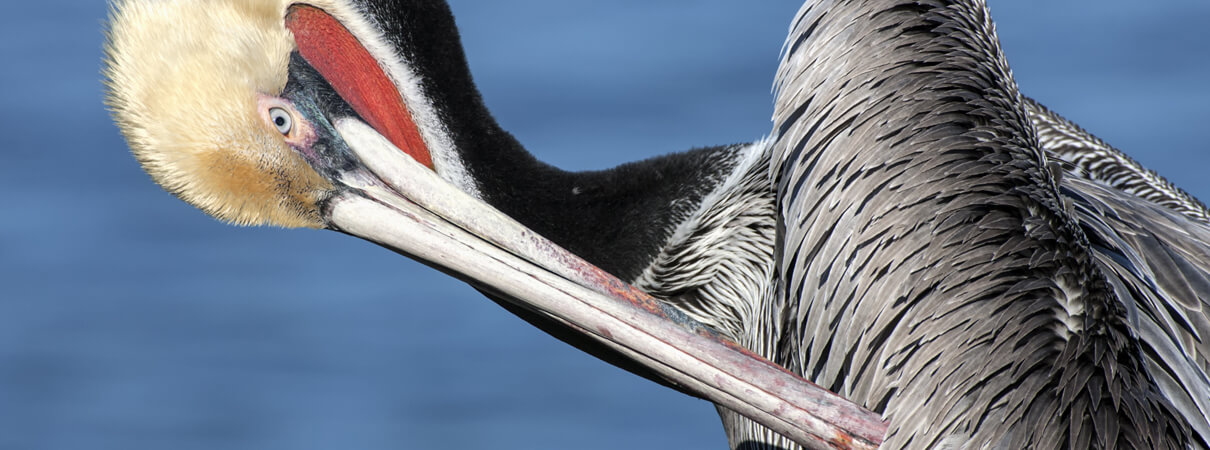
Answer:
[(356, 115), (202, 91), (196, 86)]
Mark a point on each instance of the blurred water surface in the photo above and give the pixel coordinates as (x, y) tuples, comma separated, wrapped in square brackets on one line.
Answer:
[(129, 320)]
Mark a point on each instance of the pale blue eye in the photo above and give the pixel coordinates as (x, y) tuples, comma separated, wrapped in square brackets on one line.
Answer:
[(281, 119)]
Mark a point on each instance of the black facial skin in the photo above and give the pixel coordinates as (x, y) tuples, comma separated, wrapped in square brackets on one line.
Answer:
[(321, 106)]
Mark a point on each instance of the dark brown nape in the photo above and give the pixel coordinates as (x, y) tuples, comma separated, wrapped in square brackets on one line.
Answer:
[(616, 218)]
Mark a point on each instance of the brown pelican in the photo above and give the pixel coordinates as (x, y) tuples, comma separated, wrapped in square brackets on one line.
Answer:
[(914, 234)]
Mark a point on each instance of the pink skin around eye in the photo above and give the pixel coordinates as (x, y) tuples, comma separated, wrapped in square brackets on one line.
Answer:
[(301, 136)]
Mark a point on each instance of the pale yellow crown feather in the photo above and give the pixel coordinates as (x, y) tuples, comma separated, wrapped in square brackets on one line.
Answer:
[(183, 78)]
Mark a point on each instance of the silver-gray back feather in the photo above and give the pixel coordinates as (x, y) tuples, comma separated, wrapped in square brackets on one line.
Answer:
[(924, 240), (928, 266), (1091, 158)]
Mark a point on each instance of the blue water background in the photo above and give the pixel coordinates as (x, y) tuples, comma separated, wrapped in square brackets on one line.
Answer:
[(129, 320)]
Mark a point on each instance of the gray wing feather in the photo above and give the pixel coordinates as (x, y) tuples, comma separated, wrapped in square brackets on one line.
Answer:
[(1089, 157), (1151, 240), (928, 266), (1158, 261)]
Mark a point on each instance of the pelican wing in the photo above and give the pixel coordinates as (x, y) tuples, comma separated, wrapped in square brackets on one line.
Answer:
[(902, 163), (1151, 240), (1158, 262), (931, 263), (1086, 156)]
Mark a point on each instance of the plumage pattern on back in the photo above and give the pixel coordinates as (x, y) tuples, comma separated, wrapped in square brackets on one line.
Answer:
[(1158, 262), (1151, 240), (948, 252), (928, 266), (1087, 156)]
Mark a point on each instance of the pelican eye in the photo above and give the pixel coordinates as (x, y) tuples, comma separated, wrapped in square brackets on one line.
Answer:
[(281, 119)]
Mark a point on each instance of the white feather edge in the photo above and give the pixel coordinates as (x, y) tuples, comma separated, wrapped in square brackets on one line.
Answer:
[(446, 161), (750, 154)]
